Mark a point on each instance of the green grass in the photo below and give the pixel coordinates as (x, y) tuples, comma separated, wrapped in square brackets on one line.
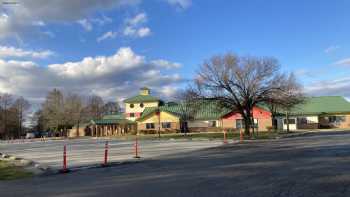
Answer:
[(10, 172)]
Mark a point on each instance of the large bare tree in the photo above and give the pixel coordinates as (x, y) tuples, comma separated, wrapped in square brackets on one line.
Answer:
[(240, 83)]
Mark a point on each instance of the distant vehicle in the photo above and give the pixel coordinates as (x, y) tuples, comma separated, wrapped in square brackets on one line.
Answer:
[(36, 134), (30, 135)]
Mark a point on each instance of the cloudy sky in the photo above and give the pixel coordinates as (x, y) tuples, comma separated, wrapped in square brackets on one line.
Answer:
[(113, 47)]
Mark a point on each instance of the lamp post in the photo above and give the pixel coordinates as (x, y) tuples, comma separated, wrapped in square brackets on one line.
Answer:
[(158, 114)]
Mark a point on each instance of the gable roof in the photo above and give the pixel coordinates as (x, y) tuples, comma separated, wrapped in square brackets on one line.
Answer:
[(321, 105), (207, 110), (112, 119), (141, 98)]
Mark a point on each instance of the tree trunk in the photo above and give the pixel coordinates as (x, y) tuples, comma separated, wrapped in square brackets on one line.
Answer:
[(247, 125), (78, 125), (253, 125), (274, 123), (287, 121)]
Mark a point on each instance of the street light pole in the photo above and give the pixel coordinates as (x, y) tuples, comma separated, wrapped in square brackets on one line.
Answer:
[(158, 114)]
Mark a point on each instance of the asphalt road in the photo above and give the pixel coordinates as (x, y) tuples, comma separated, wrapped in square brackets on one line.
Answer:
[(317, 165), (87, 152)]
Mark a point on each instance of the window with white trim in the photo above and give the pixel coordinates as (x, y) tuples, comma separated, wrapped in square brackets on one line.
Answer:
[(166, 125), (149, 125)]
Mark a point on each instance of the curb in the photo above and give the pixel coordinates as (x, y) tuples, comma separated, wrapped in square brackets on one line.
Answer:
[(29, 165)]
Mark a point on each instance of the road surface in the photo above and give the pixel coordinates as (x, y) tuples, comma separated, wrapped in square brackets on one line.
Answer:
[(87, 152), (317, 165)]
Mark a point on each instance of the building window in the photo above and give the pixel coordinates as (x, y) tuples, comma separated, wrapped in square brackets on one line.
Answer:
[(132, 115), (141, 105), (166, 125), (131, 105), (303, 120), (213, 124), (255, 124), (149, 125), (240, 124), (336, 119), (291, 121)]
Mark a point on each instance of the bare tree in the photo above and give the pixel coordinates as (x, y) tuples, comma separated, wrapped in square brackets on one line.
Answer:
[(239, 83), (284, 101), (94, 107), (20, 106), (111, 108), (6, 101), (38, 121), (73, 110), (188, 107), (53, 111)]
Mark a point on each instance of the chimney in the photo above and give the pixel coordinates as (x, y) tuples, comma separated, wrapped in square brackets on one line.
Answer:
[(145, 91)]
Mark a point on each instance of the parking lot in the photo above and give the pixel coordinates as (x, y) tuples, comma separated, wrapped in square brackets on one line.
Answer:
[(312, 165), (87, 152)]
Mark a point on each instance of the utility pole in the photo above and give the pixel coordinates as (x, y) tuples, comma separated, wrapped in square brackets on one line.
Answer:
[(158, 114)]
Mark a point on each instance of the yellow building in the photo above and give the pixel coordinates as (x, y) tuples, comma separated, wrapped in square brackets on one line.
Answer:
[(134, 106), (157, 119)]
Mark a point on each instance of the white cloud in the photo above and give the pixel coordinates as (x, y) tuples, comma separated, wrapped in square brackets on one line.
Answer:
[(88, 24), (19, 19), (107, 35), (112, 77), (183, 4), (102, 20), (6, 51), (136, 20), (4, 25), (85, 24), (336, 87), (38, 23), (143, 32), (133, 26), (331, 49), (170, 91), (343, 62), (166, 64), (124, 59), (49, 34)]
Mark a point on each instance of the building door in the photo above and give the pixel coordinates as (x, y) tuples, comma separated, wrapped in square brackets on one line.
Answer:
[(292, 124), (184, 127)]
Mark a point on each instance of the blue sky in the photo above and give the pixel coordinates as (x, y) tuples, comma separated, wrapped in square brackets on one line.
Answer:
[(111, 48)]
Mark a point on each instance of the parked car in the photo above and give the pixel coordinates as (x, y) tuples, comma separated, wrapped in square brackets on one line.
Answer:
[(30, 136)]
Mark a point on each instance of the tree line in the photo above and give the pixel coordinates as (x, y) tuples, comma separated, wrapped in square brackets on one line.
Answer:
[(234, 82), (12, 115), (58, 113)]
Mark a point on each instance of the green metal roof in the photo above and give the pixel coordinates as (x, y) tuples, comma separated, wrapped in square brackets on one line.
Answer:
[(112, 119), (322, 105), (207, 110), (114, 116), (141, 98)]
